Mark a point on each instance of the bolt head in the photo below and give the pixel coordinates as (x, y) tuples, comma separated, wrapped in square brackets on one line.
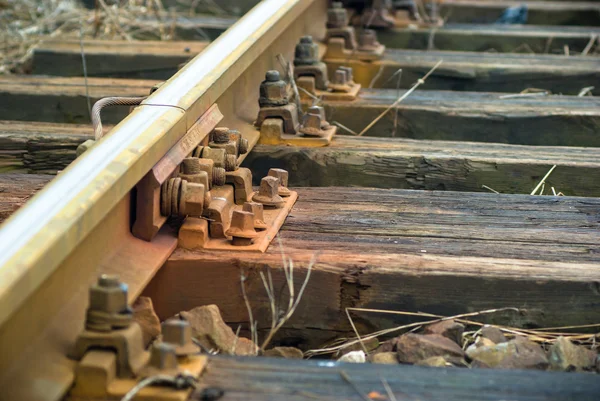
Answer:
[(281, 174), (368, 38), (268, 192), (337, 17), (307, 52), (340, 77), (220, 135), (242, 225), (258, 211), (272, 76), (349, 73), (193, 200), (163, 356), (108, 295), (178, 333)]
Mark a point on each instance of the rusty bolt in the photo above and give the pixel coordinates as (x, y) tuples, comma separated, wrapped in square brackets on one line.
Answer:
[(258, 211), (268, 193), (178, 333), (282, 175), (307, 52), (163, 357), (220, 135), (182, 198), (273, 90), (242, 143), (108, 307), (242, 228), (367, 40), (340, 77), (108, 295), (349, 73), (337, 17), (220, 159), (311, 125)]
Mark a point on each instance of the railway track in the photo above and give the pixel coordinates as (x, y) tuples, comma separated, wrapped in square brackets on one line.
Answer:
[(398, 218)]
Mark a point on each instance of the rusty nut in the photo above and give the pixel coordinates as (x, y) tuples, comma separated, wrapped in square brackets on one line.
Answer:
[(108, 295)]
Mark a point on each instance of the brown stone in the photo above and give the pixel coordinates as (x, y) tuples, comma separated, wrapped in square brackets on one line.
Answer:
[(566, 356), (211, 331), (447, 328), (388, 358), (412, 348), (494, 334), (515, 354), (144, 315), (442, 361), (284, 352), (387, 346)]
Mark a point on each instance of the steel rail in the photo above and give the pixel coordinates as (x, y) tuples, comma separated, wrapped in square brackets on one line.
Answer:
[(44, 246)]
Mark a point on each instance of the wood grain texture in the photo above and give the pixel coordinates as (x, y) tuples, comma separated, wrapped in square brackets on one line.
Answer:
[(16, 189), (473, 71), (35, 147), (470, 116), (432, 165), (489, 38), (437, 252), (258, 379), (113, 58), (64, 100)]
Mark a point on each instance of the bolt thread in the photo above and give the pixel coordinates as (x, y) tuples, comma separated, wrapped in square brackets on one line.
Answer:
[(218, 176), (191, 165), (221, 135), (230, 162), (243, 146)]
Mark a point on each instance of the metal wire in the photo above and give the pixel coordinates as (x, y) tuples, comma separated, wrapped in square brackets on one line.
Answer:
[(110, 101)]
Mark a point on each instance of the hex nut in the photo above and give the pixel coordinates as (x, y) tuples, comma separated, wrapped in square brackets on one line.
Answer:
[(108, 295)]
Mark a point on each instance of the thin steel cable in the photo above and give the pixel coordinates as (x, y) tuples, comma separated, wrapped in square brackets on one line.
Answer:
[(110, 101)]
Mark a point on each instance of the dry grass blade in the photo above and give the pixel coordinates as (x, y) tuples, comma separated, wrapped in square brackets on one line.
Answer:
[(344, 127), (586, 91), (437, 318), (589, 46), (490, 189), (289, 71), (401, 98), (543, 181), (388, 390)]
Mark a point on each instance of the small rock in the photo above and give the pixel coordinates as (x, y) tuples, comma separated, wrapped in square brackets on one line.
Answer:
[(412, 348), (566, 356), (388, 358), (447, 328), (211, 331), (284, 352), (144, 315), (480, 342), (354, 357), (515, 354), (387, 346), (442, 361), (494, 334), (434, 361)]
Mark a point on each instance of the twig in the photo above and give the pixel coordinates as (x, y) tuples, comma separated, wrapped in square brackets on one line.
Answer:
[(589, 46), (114, 20), (85, 74), (243, 278), (548, 43), (566, 49), (490, 189), (290, 74), (237, 336), (344, 127), (543, 180), (356, 332), (401, 98), (585, 91), (376, 77), (520, 95), (388, 390)]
